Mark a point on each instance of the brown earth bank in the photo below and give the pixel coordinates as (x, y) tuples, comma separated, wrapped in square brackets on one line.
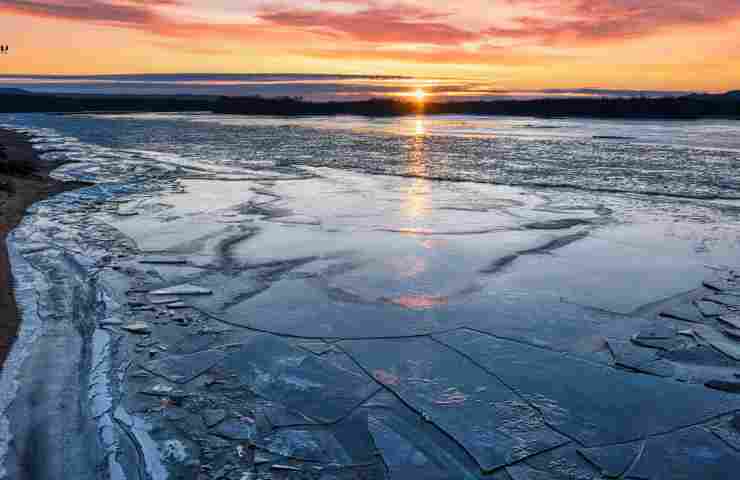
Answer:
[(24, 180)]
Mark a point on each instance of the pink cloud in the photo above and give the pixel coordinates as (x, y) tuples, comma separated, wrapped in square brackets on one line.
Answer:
[(398, 24), (587, 21), (369, 25), (127, 12)]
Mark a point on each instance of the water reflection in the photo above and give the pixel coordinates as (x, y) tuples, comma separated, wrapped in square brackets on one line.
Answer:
[(420, 130), (416, 209), (417, 195)]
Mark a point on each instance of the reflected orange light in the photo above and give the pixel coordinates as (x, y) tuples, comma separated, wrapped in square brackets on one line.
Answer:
[(419, 127), (416, 201), (420, 302)]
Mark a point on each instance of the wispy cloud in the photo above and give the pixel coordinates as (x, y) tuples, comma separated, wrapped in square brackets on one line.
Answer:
[(396, 31), (132, 13), (395, 24), (574, 22)]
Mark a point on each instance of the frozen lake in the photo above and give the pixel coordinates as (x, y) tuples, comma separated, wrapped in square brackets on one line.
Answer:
[(417, 297)]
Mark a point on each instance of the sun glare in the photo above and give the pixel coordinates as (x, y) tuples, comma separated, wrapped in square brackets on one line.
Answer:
[(420, 95)]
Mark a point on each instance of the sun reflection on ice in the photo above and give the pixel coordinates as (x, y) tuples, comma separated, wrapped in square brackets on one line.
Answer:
[(416, 202), (419, 129)]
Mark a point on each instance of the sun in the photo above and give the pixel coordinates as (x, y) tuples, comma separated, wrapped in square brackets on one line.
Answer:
[(420, 95)]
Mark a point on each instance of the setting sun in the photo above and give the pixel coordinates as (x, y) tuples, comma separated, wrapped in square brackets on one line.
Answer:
[(420, 95)]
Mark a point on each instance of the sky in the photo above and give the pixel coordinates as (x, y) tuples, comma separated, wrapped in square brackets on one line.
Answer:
[(510, 44)]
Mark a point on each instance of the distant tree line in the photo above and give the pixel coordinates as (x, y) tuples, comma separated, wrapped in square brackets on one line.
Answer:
[(22, 102), (686, 107)]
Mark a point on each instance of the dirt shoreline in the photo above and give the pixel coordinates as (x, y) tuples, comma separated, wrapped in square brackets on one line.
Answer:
[(24, 180)]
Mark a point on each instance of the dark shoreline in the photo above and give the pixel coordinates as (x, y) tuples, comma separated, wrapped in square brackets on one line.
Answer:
[(24, 180), (689, 107)]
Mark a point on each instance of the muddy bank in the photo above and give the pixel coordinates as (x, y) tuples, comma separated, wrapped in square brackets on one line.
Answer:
[(24, 180)]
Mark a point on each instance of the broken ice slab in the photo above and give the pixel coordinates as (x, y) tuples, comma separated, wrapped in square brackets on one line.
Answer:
[(723, 385), (160, 390), (162, 260), (403, 458), (593, 403), (709, 309), (353, 433), (557, 224), (727, 300), (728, 429), (311, 385), (184, 289), (699, 355), (487, 418), (579, 270), (127, 211), (230, 289), (724, 285), (318, 348), (565, 463), (659, 368), (733, 333), (658, 330), (147, 448), (614, 460), (731, 318), (260, 457), (307, 309), (177, 306), (279, 416), (240, 429), (111, 321), (139, 328), (667, 344), (718, 340), (212, 417), (522, 471), (549, 321), (410, 446), (313, 445), (157, 300), (629, 355), (184, 368), (687, 312), (660, 335), (691, 453)]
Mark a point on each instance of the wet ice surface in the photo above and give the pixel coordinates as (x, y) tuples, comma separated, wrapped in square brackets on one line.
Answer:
[(259, 318)]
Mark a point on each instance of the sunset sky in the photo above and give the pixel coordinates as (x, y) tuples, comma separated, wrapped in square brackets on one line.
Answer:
[(628, 44)]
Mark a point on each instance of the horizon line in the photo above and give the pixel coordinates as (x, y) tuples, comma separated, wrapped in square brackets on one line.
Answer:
[(587, 88)]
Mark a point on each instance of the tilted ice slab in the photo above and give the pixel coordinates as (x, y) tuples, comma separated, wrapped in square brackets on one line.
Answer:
[(492, 422), (184, 289), (592, 403)]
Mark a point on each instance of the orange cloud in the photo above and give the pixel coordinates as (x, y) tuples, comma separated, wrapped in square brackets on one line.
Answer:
[(548, 22), (129, 13), (532, 43), (574, 22), (397, 24), (487, 55)]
